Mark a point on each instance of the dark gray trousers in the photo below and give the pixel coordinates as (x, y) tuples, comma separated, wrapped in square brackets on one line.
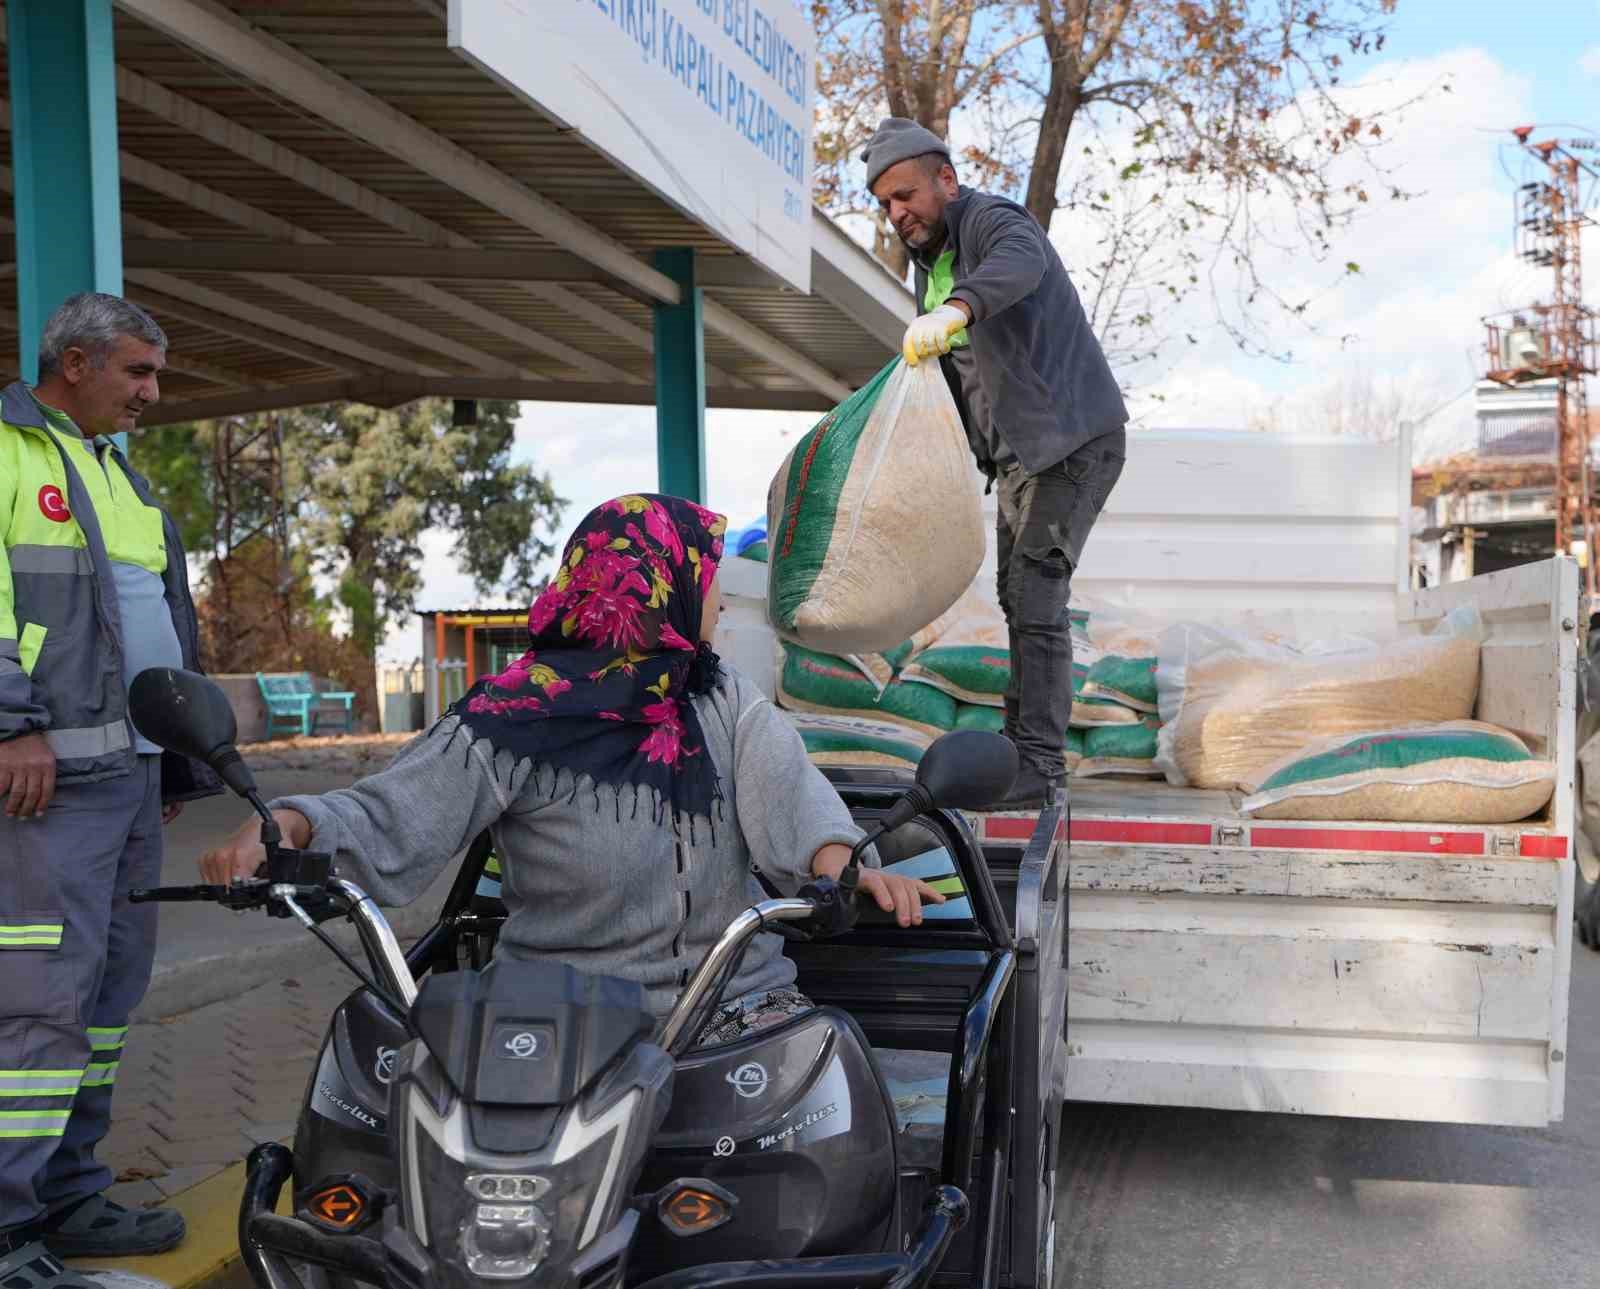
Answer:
[(1044, 521), (75, 960)]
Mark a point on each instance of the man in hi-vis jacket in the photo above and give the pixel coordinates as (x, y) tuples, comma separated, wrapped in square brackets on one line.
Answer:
[(93, 589)]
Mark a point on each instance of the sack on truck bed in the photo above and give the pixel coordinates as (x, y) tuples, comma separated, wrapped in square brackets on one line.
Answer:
[(1125, 680), (1119, 749), (875, 520), (1462, 772), (967, 654), (1231, 706), (851, 740), (819, 682)]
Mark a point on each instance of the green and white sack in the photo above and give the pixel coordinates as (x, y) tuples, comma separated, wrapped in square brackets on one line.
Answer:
[(818, 682), (854, 740), (1125, 680), (977, 716), (875, 520), (1461, 772), (970, 659), (1119, 750)]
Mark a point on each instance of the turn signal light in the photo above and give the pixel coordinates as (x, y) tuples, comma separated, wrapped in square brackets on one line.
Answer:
[(693, 1206), (342, 1204), (339, 1206)]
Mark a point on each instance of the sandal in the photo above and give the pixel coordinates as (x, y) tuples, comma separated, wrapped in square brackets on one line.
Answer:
[(33, 1266), (101, 1228)]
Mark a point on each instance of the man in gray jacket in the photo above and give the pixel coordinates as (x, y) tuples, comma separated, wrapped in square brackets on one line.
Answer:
[(1043, 413)]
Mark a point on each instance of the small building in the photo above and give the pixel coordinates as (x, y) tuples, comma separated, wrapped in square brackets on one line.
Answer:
[(460, 645), (1492, 507)]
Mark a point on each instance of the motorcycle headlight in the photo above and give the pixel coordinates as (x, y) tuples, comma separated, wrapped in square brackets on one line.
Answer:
[(505, 1241), (534, 1210)]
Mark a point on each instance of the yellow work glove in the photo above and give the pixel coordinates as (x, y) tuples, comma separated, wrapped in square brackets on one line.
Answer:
[(931, 333)]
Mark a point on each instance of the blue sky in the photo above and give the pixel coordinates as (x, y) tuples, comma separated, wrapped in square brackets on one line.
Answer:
[(1408, 326), (1526, 37)]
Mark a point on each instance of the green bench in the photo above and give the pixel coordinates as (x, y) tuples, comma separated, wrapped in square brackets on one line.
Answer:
[(294, 704)]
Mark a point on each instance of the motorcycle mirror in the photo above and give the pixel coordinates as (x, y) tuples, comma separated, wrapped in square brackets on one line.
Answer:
[(184, 712), (968, 769)]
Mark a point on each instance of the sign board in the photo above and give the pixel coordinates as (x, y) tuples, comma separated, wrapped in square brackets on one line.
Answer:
[(708, 102)]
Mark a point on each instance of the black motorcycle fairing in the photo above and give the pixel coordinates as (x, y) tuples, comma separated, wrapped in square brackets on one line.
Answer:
[(796, 1123), (344, 1117), (576, 1188), (522, 1033)]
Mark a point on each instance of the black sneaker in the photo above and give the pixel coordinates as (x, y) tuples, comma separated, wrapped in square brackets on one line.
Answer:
[(1031, 791)]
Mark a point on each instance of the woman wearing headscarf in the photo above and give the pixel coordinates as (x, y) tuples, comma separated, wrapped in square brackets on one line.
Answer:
[(633, 784)]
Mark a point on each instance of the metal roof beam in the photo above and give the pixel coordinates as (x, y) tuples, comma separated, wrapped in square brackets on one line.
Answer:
[(293, 345), (148, 174), (201, 121), (434, 264), (287, 330), (384, 390), (725, 322), (228, 39)]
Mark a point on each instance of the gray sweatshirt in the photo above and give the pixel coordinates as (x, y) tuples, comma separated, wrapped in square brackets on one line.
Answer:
[(591, 876)]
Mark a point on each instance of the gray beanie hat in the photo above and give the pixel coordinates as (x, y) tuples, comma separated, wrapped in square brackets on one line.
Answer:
[(899, 139)]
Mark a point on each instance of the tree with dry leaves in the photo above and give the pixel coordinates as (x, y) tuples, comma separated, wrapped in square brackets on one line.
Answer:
[(1190, 142)]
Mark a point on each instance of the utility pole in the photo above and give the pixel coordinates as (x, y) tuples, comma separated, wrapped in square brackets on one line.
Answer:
[(1556, 341)]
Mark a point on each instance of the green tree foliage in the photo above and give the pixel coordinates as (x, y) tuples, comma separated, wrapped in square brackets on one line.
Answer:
[(362, 485)]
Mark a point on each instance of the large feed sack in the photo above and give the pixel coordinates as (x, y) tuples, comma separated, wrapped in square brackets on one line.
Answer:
[(1232, 706), (818, 682), (875, 520), (853, 740), (968, 656), (1119, 749), (1462, 772)]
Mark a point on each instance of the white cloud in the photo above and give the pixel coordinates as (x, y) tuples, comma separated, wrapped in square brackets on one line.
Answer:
[(1589, 60)]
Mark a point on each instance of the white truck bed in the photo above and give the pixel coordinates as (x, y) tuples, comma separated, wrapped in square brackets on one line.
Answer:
[(1384, 971)]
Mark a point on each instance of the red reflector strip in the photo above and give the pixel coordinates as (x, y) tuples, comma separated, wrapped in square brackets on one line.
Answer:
[(1009, 827), (1541, 847), (1126, 830), (1369, 839)]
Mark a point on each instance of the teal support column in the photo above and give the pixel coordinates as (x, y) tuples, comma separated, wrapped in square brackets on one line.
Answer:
[(64, 157), (680, 382)]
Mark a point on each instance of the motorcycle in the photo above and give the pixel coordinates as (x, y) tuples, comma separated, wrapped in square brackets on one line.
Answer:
[(523, 1122)]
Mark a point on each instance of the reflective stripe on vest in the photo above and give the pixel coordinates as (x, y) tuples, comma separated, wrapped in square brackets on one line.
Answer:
[(51, 559), (94, 740)]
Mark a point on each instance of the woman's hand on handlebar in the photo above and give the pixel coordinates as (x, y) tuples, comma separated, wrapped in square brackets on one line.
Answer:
[(242, 853), (902, 896)]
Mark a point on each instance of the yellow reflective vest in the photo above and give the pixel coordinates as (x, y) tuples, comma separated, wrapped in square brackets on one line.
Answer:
[(66, 511)]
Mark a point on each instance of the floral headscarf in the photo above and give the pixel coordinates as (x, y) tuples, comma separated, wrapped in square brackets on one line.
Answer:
[(616, 654)]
